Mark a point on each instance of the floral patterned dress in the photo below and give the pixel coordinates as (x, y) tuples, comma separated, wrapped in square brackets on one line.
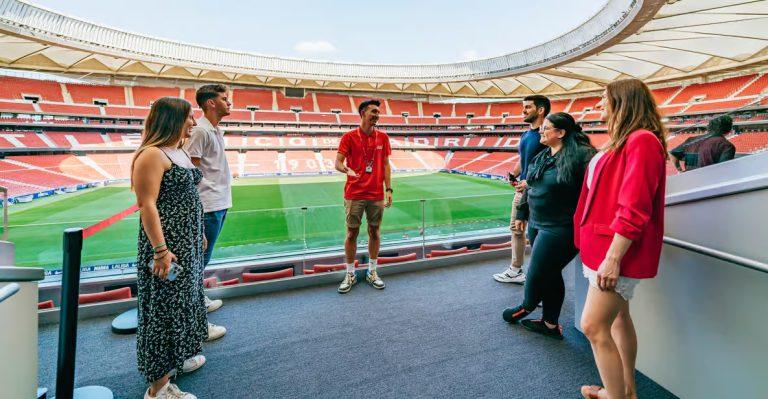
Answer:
[(172, 317)]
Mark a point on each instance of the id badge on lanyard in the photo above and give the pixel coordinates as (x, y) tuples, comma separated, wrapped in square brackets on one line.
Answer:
[(368, 162)]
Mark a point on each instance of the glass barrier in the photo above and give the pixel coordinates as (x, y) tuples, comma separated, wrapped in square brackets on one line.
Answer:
[(252, 233)]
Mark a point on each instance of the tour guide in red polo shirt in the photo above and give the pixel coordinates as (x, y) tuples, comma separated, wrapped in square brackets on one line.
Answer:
[(366, 150)]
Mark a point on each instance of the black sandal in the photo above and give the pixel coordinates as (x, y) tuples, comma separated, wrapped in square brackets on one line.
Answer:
[(538, 326), (514, 315)]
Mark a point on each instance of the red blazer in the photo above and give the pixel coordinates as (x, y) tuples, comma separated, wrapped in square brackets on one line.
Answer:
[(627, 197)]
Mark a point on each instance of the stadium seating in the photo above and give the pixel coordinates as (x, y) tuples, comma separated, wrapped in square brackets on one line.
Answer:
[(17, 106), (718, 106), (262, 99), (430, 109), (16, 88), (306, 104), (663, 94), (759, 86), (21, 140), (261, 162), (476, 109), (385, 260), (712, 90), (70, 109), (323, 268), (312, 149), (308, 117), (254, 277), (511, 108), (448, 252), (330, 102), (486, 247), (45, 305), (750, 142), (106, 296), (144, 96), (398, 107), (580, 104), (87, 94)]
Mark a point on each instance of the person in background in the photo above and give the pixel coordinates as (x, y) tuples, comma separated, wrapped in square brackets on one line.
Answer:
[(619, 227), (554, 182), (368, 190), (535, 109), (698, 152), (172, 321), (206, 147)]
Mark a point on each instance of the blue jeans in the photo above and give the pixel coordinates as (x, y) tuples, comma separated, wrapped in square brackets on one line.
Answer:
[(213, 222)]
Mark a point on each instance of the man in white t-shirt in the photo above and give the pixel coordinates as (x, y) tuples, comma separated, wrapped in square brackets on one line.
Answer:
[(206, 148)]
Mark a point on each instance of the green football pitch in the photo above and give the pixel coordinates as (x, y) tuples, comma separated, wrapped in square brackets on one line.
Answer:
[(270, 216)]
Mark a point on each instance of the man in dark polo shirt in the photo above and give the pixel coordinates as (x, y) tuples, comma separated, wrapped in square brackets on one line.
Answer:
[(700, 151), (535, 109), (366, 151)]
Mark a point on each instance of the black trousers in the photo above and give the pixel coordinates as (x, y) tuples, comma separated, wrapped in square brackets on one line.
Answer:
[(552, 250)]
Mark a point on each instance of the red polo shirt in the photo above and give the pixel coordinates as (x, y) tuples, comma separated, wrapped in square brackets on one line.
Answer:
[(359, 148)]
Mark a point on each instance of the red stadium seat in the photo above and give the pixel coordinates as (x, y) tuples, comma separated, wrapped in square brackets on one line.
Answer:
[(234, 281), (309, 271), (211, 282), (446, 252), (383, 260), (253, 277), (45, 305), (106, 296), (484, 247), (321, 268)]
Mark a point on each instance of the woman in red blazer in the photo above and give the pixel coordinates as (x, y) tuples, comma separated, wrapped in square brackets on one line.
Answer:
[(618, 228)]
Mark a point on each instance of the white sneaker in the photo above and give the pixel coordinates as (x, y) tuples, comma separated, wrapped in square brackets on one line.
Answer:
[(215, 332), (509, 276), (211, 305), (193, 363), (374, 280), (347, 283), (169, 391)]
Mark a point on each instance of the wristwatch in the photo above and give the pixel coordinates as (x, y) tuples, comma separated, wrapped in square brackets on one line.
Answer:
[(389, 190)]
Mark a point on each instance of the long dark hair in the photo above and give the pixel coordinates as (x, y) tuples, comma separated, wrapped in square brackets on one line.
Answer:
[(577, 149)]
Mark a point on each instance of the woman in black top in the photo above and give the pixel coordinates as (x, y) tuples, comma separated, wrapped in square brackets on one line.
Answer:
[(554, 182)]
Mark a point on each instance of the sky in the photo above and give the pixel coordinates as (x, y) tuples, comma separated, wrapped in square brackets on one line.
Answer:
[(392, 32)]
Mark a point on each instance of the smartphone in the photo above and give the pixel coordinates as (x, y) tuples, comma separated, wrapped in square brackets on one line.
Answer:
[(512, 179), (174, 271)]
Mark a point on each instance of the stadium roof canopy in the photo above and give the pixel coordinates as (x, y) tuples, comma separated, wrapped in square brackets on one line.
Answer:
[(655, 40)]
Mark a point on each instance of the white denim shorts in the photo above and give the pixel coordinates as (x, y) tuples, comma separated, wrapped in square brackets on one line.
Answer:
[(624, 287)]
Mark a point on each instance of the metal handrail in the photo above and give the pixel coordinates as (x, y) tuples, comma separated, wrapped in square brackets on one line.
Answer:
[(4, 191), (714, 253), (9, 291)]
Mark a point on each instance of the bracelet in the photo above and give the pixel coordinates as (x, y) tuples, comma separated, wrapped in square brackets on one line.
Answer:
[(160, 257), (158, 247), (161, 250)]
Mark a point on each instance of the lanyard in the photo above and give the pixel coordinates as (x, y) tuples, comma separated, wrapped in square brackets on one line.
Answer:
[(365, 148)]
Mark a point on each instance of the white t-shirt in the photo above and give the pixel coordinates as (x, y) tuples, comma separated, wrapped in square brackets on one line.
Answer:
[(207, 143), (591, 169)]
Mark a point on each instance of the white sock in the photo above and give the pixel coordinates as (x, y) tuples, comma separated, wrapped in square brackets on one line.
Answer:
[(372, 265), (351, 267), (515, 270)]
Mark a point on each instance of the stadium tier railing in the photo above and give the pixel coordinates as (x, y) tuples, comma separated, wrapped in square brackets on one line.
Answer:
[(308, 232)]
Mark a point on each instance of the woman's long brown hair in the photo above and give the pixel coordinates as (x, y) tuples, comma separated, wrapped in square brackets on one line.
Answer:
[(163, 126), (630, 107)]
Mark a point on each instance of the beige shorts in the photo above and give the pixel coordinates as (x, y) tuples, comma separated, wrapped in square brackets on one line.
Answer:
[(374, 212)]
